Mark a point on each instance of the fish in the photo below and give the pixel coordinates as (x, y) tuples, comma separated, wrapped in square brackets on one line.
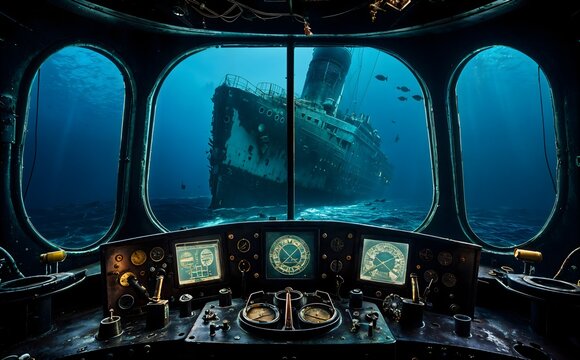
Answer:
[(402, 98), (397, 138), (382, 77), (403, 88), (417, 97), (183, 186)]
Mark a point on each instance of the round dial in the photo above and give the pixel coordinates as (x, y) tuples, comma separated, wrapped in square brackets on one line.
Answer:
[(426, 254), (157, 254), (124, 279), (431, 275), (337, 244), (261, 313), (289, 255), (138, 257), (243, 245), (449, 280), (384, 262), (317, 314), (444, 258)]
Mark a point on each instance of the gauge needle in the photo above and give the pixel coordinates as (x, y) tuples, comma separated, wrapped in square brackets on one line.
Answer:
[(381, 263), (261, 316), (315, 317), (289, 256)]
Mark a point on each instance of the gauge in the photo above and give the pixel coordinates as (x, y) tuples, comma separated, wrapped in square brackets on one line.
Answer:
[(126, 301), (157, 254), (430, 275), (317, 313), (426, 254), (243, 245), (336, 266), (261, 313), (244, 266), (449, 280), (124, 279), (289, 255), (444, 258), (393, 306), (138, 257), (337, 244), (384, 262)]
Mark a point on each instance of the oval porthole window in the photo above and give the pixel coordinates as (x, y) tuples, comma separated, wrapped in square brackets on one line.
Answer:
[(71, 150), (508, 146)]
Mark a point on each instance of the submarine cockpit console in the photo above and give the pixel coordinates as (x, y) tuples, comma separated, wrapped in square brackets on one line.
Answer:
[(293, 290)]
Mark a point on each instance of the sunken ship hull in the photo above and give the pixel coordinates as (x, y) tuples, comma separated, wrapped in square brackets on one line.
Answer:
[(338, 158)]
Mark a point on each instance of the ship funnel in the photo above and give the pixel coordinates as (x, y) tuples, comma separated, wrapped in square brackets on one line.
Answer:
[(325, 78)]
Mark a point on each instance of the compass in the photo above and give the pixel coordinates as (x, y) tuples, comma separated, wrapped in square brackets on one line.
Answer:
[(289, 255), (261, 313), (317, 314)]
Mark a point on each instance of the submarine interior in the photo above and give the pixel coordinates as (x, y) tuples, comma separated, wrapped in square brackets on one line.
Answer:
[(419, 199)]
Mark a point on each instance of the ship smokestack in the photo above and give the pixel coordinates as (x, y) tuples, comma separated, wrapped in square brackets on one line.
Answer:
[(325, 78)]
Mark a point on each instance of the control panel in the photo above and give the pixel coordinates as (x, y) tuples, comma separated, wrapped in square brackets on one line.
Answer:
[(333, 257)]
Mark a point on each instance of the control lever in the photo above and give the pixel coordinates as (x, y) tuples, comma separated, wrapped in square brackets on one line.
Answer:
[(140, 289), (412, 311), (158, 309), (288, 323), (529, 258)]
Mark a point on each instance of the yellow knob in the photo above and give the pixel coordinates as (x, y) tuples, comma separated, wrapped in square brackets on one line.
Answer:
[(53, 256), (528, 255)]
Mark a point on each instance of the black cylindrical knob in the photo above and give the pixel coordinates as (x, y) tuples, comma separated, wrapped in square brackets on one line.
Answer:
[(225, 297), (355, 299), (185, 305)]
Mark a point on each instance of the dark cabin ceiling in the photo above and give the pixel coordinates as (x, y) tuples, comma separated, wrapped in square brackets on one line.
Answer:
[(322, 17)]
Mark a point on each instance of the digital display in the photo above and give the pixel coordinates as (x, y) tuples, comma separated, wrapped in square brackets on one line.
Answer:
[(384, 262), (291, 254), (198, 261)]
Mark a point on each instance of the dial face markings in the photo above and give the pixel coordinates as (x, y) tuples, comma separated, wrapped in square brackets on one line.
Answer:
[(138, 257), (384, 262), (289, 255), (317, 314), (261, 313)]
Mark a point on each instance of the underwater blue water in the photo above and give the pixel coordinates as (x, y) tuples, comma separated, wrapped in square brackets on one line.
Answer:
[(74, 142)]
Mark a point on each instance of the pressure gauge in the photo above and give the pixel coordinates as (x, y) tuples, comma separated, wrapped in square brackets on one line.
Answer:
[(261, 313), (138, 257), (317, 314)]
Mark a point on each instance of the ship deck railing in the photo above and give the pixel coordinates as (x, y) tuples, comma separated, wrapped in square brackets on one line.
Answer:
[(263, 89)]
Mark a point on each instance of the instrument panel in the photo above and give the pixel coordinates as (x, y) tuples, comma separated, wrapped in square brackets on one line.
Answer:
[(334, 257)]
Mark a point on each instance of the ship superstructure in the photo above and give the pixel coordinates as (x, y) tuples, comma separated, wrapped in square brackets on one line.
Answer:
[(338, 156)]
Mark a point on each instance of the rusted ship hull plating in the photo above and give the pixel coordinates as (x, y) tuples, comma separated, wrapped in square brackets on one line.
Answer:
[(337, 159)]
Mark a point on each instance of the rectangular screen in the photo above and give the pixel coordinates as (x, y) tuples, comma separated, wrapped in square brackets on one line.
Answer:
[(291, 254), (384, 262), (198, 261)]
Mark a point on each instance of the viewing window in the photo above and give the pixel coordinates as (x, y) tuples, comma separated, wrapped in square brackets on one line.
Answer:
[(362, 150), (508, 146), (71, 147)]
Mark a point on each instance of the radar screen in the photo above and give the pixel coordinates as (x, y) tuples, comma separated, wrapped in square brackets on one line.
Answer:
[(290, 255), (198, 261), (384, 262)]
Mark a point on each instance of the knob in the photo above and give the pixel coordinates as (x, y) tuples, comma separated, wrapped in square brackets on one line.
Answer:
[(355, 299), (185, 305), (225, 297)]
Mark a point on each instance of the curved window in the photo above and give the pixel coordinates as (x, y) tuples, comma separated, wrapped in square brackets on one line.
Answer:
[(362, 147), (219, 149), (508, 146), (72, 147), (210, 157)]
